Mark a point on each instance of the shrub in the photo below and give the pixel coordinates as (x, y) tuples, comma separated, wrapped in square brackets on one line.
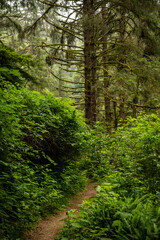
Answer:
[(127, 204), (42, 139), (136, 149), (15, 67), (133, 149), (115, 213)]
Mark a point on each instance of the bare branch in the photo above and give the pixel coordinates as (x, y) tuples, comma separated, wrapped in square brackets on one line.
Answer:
[(61, 79)]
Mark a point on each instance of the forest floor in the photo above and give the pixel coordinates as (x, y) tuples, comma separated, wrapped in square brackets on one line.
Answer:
[(49, 228)]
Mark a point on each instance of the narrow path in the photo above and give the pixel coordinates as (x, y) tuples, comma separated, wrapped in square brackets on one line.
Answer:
[(48, 228)]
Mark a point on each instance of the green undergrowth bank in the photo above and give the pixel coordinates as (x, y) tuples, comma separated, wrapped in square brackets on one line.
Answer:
[(127, 205), (42, 140)]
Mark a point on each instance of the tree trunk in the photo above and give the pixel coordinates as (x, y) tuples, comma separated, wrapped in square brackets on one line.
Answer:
[(122, 29), (115, 115), (122, 60), (122, 114), (90, 61), (135, 100), (105, 71)]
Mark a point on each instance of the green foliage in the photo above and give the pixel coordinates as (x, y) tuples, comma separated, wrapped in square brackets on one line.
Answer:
[(133, 149), (121, 210), (50, 128), (136, 148), (72, 179), (96, 161), (14, 67), (127, 204), (40, 135), (114, 216), (27, 192)]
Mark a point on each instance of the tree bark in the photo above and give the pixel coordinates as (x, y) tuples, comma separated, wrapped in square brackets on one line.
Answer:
[(115, 115), (105, 71), (122, 60), (90, 61), (122, 29), (122, 114)]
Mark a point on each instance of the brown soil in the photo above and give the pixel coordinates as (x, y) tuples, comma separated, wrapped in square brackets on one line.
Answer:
[(49, 228)]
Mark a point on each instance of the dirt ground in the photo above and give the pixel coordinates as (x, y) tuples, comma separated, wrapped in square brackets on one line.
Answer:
[(49, 228)]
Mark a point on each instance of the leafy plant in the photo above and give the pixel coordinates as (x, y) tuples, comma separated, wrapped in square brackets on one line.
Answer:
[(115, 215), (40, 137), (127, 203), (15, 67)]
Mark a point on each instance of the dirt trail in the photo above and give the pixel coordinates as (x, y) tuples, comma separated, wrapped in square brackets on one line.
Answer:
[(49, 228)]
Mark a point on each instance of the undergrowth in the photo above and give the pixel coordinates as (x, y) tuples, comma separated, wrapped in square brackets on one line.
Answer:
[(42, 140), (127, 204)]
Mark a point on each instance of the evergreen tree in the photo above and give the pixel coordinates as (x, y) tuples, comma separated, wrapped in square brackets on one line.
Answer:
[(14, 67), (92, 42)]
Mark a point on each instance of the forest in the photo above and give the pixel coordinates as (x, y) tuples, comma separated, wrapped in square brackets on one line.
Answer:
[(79, 102)]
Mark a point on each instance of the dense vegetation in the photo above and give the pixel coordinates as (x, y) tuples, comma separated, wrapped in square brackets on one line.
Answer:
[(127, 205), (14, 67), (41, 142), (47, 154), (104, 55)]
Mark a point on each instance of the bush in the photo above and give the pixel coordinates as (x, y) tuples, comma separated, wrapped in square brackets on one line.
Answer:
[(133, 149), (15, 67), (127, 204), (136, 149), (97, 160), (117, 212), (40, 137), (43, 126)]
